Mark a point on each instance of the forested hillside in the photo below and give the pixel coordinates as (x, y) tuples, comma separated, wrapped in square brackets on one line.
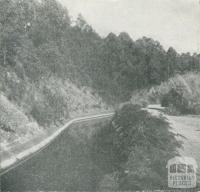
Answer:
[(51, 66), (40, 81), (39, 40)]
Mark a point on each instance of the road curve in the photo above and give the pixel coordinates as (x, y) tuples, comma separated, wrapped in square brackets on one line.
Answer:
[(66, 164), (15, 160)]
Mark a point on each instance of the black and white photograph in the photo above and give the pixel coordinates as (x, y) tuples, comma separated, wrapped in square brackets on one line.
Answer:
[(100, 95)]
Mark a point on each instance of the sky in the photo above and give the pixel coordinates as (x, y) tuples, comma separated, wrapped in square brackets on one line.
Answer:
[(173, 23)]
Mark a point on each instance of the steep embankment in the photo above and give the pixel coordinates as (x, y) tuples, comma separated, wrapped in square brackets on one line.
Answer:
[(28, 109), (42, 77)]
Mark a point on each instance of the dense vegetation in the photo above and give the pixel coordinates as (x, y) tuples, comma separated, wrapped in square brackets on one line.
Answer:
[(14, 124), (38, 40), (37, 62), (135, 146), (51, 66), (180, 94)]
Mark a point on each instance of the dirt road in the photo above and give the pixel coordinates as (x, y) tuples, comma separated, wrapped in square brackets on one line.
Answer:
[(187, 129)]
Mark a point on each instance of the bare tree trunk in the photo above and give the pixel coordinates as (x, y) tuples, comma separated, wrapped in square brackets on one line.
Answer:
[(4, 56)]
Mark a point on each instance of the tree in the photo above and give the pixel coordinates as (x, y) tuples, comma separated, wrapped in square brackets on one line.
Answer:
[(171, 62), (50, 22), (136, 145), (82, 24)]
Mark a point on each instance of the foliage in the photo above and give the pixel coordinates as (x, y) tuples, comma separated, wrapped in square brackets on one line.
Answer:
[(181, 94), (39, 40), (51, 68), (38, 60), (175, 99), (39, 44), (13, 122), (137, 146)]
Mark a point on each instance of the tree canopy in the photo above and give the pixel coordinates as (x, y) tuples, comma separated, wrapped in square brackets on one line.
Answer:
[(40, 37)]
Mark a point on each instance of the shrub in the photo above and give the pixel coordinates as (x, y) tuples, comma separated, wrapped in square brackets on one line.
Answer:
[(177, 104), (176, 100)]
